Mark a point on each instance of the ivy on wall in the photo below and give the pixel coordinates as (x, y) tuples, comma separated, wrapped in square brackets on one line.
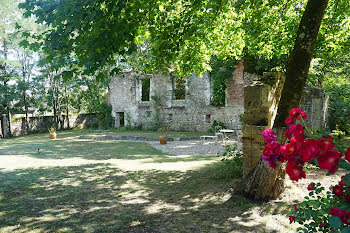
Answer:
[(221, 70)]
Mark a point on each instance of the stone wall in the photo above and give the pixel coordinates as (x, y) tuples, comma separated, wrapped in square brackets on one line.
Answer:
[(42, 124), (194, 113)]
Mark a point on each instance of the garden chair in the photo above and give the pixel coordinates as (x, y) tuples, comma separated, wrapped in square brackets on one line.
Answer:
[(218, 133)]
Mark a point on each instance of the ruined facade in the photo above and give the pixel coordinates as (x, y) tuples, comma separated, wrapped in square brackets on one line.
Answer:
[(182, 103)]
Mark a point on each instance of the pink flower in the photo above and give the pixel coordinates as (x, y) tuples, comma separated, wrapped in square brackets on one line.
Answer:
[(329, 160), (311, 186), (310, 149), (321, 224), (269, 136), (294, 171)]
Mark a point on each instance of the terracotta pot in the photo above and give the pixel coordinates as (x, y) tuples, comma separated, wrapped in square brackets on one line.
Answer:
[(163, 139), (52, 135)]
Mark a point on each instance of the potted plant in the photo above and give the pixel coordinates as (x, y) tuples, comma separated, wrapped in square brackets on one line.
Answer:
[(52, 132), (163, 138)]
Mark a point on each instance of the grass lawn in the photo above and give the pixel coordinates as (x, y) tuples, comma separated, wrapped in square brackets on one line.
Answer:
[(149, 134), (74, 185)]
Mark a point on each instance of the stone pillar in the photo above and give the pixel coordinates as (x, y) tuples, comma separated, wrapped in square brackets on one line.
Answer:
[(260, 109)]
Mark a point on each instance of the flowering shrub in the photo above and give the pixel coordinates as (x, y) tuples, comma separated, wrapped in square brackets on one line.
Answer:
[(320, 211)]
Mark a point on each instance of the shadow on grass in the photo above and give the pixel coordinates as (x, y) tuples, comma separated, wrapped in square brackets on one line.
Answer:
[(100, 198)]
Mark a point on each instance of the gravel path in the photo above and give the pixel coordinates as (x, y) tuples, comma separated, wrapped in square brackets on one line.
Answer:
[(194, 147)]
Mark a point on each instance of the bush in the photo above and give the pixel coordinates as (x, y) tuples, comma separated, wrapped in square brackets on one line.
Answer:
[(104, 117), (231, 165)]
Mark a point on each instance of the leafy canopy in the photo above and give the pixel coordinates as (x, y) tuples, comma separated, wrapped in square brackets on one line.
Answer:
[(178, 35)]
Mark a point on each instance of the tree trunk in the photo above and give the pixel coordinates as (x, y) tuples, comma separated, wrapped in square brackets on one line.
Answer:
[(9, 120), (300, 59), (67, 106), (265, 183)]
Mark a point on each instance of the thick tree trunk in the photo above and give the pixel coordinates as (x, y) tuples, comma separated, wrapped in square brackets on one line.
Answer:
[(263, 182), (300, 59)]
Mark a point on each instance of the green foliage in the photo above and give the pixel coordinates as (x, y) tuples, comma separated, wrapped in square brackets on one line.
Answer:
[(216, 123), (104, 117), (315, 210), (231, 165), (221, 71), (179, 36)]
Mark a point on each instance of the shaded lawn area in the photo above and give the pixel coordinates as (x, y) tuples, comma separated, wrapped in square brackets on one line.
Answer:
[(77, 185)]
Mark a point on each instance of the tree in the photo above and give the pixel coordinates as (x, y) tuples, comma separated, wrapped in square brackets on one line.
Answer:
[(182, 36)]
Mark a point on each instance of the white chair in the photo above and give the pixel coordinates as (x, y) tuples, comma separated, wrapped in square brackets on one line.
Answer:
[(218, 133)]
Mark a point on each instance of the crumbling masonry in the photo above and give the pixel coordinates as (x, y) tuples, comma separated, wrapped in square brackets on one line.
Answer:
[(183, 104)]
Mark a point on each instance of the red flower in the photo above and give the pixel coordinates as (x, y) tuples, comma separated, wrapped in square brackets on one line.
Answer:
[(335, 211), (295, 112), (310, 149), (295, 207), (289, 121), (347, 197), (329, 160), (289, 131), (326, 143), (294, 171), (292, 218), (311, 186), (338, 191), (347, 155), (303, 115), (289, 150), (321, 224), (299, 133), (344, 216)]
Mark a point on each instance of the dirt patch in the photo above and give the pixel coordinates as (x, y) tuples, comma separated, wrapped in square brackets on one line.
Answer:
[(207, 147)]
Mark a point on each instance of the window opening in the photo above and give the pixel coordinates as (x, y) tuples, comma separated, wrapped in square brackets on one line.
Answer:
[(179, 87), (207, 118), (145, 86)]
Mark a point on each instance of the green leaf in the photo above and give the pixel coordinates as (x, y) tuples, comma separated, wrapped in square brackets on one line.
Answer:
[(100, 77), (345, 230), (347, 179), (344, 164), (335, 222)]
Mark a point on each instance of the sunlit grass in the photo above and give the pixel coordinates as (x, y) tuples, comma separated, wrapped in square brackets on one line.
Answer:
[(74, 185)]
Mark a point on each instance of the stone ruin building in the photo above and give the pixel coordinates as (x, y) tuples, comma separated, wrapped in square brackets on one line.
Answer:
[(184, 104)]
